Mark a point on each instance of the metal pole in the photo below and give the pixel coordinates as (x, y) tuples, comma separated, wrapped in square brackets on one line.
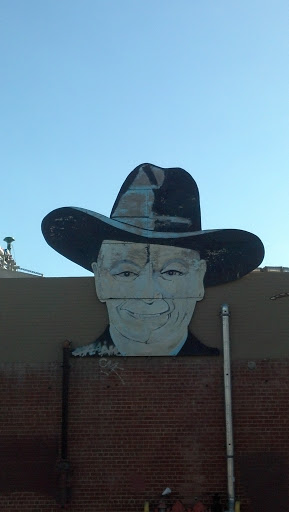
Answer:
[(228, 407), (64, 465)]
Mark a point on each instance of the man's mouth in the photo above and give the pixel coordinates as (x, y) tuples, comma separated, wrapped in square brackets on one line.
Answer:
[(144, 316), (143, 311)]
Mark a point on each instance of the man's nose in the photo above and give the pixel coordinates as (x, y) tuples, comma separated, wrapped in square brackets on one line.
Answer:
[(150, 289), (151, 300)]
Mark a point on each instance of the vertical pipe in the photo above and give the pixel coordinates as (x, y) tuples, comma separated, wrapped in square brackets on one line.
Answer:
[(64, 465), (65, 384), (228, 407)]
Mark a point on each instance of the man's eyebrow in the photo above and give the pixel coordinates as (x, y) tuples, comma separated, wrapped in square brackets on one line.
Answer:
[(119, 263), (181, 261)]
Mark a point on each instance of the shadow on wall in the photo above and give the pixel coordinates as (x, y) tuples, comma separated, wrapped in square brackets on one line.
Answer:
[(28, 464), (264, 476)]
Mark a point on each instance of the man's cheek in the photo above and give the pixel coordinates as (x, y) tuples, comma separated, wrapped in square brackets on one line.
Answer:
[(113, 308), (109, 287), (190, 288), (116, 289)]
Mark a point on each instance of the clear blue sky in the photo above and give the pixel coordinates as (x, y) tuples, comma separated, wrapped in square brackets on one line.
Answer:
[(92, 88)]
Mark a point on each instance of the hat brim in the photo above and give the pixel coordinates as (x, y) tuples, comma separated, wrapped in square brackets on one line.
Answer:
[(77, 234)]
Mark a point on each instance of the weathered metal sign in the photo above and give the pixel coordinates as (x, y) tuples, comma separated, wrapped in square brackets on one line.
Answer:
[(151, 261)]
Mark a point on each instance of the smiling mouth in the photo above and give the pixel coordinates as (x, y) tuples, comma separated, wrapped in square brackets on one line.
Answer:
[(145, 315)]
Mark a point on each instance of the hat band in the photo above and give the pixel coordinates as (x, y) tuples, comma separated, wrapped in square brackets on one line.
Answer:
[(157, 223)]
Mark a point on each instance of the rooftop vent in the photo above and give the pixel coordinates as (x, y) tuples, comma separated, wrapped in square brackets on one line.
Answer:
[(7, 262)]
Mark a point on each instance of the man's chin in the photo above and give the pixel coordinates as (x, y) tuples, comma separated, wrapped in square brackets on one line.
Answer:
[(142, 328), (160, 345), (148, 337), (144, 340)]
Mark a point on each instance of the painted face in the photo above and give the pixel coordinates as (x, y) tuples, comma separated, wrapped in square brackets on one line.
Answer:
[(150, 292)]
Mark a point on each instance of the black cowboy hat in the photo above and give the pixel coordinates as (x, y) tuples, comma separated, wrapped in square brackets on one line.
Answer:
[(156, 206)]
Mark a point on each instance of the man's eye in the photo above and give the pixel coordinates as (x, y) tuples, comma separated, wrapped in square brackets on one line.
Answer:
[(172, 273), (126, 273)]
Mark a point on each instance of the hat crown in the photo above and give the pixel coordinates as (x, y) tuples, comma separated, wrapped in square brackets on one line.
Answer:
[(157, 199)]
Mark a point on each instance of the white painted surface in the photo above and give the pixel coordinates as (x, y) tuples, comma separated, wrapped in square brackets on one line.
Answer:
[(150, 292)]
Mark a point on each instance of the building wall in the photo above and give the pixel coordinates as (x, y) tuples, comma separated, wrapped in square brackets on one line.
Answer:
[(138, 425), (8, 274)]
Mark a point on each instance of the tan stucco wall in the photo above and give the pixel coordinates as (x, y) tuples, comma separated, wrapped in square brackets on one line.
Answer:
[(37, 315)]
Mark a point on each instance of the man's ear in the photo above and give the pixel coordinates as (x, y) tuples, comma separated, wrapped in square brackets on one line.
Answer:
[(97, 281), (202, 267)]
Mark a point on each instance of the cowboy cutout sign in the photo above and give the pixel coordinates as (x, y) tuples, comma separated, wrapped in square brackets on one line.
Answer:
[(151, 261)]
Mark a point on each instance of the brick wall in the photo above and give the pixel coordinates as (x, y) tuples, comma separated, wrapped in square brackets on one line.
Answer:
[(30, 418), (138, 425)]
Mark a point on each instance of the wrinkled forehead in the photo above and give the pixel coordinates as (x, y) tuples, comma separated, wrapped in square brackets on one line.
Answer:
[(112, 251)]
